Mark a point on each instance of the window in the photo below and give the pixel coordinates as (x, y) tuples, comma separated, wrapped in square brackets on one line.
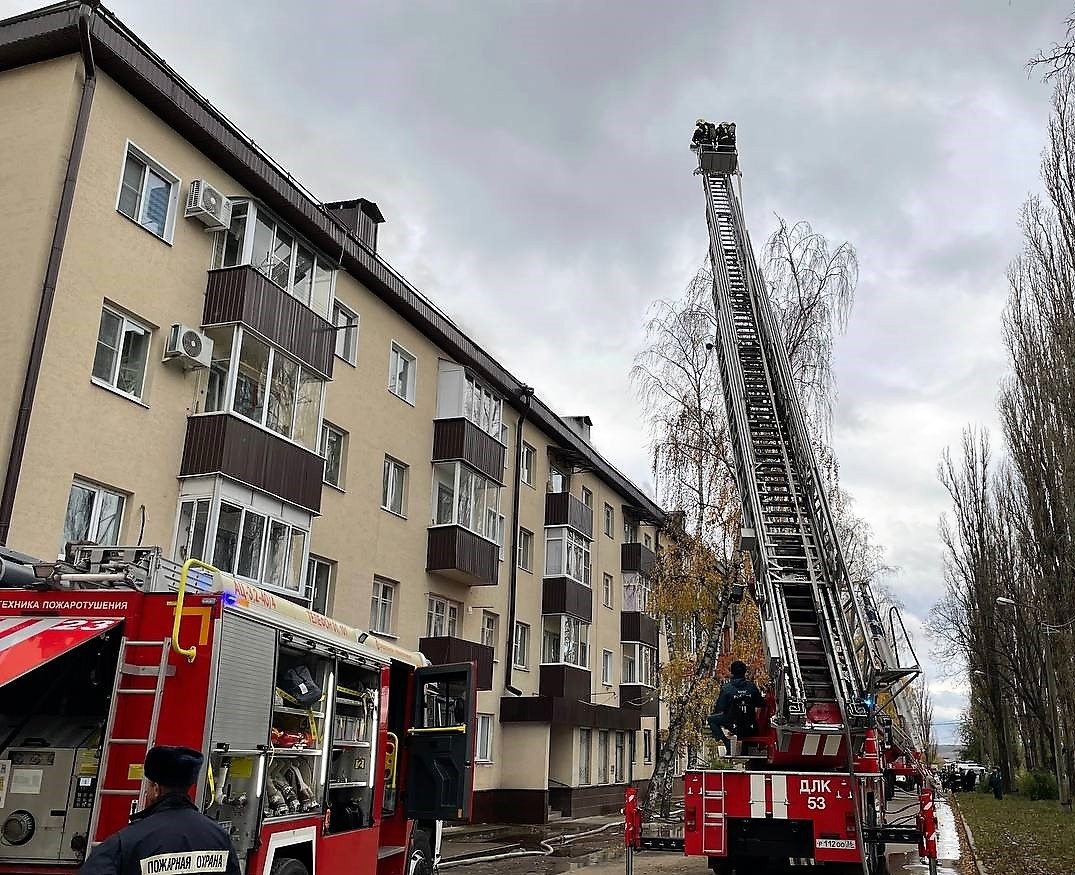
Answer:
[(259, 547), (490, 630), (585, 754), (602, 757), (630, 531), (122, 352), (606, 667), (333, 449), (647, 745), (587, 497), (526, 464), (484, 753), (500, 534), (639, 665), (606, 590), (565, 639), (481, 407), (463, 497), (520, 653), (618, 762), (394, 487), (93, 514), (384, 595), (648, 541), (636, 592), (346, 322), (526, 550), (192, 530), (401, 368), (148, 193), (257, 239), (567, 553), (277, 392), (319, 575), (442, 618), (557, 481), (610, 521)]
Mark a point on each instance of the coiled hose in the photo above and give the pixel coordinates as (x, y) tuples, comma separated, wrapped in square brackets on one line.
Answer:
[(546, 844)]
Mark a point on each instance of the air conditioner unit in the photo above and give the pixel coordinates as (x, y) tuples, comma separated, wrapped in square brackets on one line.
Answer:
[(189, 346), (208, 205)]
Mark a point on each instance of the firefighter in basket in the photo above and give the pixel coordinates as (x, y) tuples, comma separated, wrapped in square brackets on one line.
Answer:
[(736, 708), (169, 834)]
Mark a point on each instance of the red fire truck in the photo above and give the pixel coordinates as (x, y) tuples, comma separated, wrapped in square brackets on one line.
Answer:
[(327, 750)]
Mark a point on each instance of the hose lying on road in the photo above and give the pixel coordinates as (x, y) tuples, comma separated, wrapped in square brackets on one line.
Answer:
[(546, 844)]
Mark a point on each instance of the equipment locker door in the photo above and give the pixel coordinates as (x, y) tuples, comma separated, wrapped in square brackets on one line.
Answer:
[(441, 742)]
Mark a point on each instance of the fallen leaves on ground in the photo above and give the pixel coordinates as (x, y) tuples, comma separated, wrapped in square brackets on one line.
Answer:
[(1014, 836)]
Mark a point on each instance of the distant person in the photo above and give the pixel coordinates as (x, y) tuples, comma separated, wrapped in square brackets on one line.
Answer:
[(970, 779), (170, 834), (701, 133), (996, 784), (736, 706)]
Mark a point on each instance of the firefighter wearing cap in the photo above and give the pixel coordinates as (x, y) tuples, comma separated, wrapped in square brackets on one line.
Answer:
[(169, 834), (736, 707)]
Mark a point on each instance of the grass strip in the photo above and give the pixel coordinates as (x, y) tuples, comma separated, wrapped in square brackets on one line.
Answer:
[(1017, 837)]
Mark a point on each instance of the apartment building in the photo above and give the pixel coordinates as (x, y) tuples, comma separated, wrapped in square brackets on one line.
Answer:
[(202, 355)]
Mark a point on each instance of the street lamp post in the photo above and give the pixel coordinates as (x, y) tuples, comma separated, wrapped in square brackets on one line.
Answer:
[(1050, 684)]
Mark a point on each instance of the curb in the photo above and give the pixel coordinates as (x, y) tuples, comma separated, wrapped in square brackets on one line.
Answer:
[(970, 838)]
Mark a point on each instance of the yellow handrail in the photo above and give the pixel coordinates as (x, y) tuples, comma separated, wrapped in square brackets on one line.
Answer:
[(462, 729), (188, 652)]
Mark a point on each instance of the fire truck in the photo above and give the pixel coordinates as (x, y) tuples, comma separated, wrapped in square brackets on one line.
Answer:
[(326, 749), (814, 787)]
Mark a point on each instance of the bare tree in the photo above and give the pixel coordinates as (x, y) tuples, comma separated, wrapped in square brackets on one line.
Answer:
[(1057, 60)]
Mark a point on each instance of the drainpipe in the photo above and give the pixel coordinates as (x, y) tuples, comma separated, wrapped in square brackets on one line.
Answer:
[(52, 272), (526, 393)]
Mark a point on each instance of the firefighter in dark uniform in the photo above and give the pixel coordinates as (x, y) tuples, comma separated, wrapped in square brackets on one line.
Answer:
[(169, 834)]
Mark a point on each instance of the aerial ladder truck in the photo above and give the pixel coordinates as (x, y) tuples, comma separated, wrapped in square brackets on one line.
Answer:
[(811, 786)]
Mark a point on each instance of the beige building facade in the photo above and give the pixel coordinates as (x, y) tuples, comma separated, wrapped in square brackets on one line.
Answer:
[(201, 355)]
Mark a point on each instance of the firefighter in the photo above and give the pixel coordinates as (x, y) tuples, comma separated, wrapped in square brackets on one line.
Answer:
[(169, 834), (736, 707)]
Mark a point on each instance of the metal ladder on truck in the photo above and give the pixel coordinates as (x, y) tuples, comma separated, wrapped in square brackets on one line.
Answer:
[(109, 743)]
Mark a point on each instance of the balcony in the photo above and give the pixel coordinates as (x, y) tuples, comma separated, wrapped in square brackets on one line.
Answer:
[(564, 682), (460, 440), (562, 595), (636, 626), (567, 712), (458, 553), (640, 699), (243, 294), (447, 650), (637, 558), (563, 509), (221, 443)]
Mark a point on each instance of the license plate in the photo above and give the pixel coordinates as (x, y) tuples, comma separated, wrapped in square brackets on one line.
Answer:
[(836, 844)]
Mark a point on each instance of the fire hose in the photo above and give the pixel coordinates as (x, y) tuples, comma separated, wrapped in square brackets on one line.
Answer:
[(547, 847)]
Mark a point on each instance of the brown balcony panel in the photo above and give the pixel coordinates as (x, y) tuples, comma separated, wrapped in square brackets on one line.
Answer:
[(461, 440), (566, 712), (565, 682), (563, 509), (447, 650), (224, 444), (636, 626), (638, 558), (244, 294), (458, 553), (562, 595), (638, 698)]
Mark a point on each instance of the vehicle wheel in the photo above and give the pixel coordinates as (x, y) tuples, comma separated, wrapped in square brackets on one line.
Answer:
[(420, 857), (288, 866), (877, 864)]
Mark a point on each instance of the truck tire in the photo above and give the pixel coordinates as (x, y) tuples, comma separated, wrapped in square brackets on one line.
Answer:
[(420, 855), (288, 866)]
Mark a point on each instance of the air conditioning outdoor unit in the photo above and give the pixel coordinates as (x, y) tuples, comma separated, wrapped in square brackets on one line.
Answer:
[(189, 346), (208, 205)]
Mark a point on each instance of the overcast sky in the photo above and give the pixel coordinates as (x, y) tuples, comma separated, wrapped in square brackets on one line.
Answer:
[(532, 163)]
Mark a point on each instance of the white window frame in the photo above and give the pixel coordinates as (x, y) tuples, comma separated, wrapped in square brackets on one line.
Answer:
[(490, 632), (500, 534), (394, 465), (527, 463), (521, 642), (489, 417), (643, 662), (585, 756), (647, 746), (448, 617), (526, 540), (610, 521), (300, 590), (606, 667), (607, 585), (346, 336), (167, 175), (483, 747), (93, 528), (341, 480), (312, 564), (571, 629), (382, 585), (575, 544), (637, 590), (135, 326), (410, 390), (586, 495), (481, 519), (603, 757)]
